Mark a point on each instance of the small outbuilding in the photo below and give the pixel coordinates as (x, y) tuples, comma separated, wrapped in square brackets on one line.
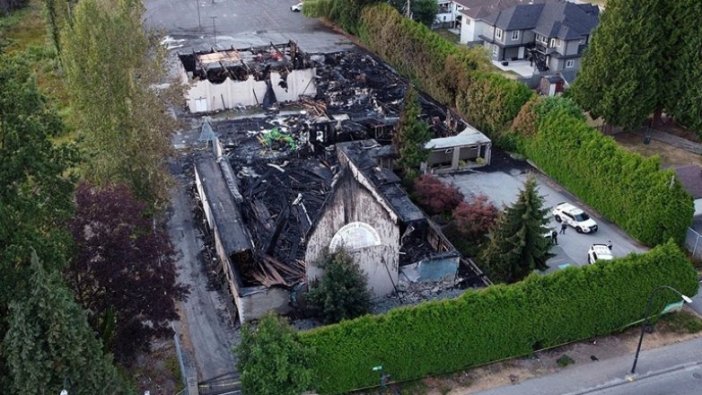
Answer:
[(470, 148)]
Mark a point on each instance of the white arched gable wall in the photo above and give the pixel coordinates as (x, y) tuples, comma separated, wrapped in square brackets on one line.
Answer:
[(354, 236)]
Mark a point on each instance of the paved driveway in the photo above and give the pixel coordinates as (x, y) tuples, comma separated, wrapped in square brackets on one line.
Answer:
[(501, 182), (238, 23)]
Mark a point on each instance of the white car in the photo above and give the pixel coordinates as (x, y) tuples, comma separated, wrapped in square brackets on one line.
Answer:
[(575, 217), (296, 8), (599, 252)]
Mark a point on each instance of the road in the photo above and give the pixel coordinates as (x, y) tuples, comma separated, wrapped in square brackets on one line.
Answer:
[(501, 182), (672, 370), (238, 23), (207, 317)]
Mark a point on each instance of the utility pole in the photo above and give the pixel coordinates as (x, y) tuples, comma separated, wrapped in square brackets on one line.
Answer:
[(199, 23), (408, 9), (214, 30)]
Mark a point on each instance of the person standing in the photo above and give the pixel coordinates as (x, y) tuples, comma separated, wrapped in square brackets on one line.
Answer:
[(563, 228), (554, 237), (609, 244)]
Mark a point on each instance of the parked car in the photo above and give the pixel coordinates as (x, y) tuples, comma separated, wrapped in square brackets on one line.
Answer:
[(599, 252), (575, 217), (296, 8)]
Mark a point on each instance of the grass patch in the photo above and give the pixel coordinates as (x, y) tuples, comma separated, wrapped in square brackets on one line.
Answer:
[(24, 33), (683, 322)]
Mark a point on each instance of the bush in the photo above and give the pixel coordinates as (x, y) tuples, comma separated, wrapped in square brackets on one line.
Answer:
[(272, 360), (628, 189), (435, 196), (475, 218), (495, 323), (342, 293)]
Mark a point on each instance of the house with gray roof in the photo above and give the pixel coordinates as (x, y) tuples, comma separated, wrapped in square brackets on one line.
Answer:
[(552, 35)]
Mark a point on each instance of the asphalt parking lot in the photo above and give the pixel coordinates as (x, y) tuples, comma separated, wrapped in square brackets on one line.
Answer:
[(501, 182), (238, 23)]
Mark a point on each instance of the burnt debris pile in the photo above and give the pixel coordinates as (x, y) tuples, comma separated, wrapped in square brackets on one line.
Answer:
[(238, 64)]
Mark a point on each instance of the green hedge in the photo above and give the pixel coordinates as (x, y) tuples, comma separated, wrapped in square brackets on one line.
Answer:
[(628, 189), (497, 322)]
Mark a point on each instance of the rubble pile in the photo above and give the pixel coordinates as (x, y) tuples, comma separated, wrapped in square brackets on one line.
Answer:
[(238, 64), (282, 199), (411, 293)]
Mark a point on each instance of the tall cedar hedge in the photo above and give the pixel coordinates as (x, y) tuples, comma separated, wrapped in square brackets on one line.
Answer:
[(628, 189), (497, 322)]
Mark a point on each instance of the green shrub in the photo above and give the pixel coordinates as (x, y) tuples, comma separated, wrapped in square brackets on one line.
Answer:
[(564, 361), (630, 190), (497, 322)]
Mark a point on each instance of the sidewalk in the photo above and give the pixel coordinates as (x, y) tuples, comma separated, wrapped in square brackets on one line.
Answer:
[(612, 372), (676, 141)]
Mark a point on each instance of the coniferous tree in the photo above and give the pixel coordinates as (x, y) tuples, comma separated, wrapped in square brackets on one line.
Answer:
[(517, 245), (35, 198), (342, 292), (685, 77), (50, 346), (623, 76), (412, 134)]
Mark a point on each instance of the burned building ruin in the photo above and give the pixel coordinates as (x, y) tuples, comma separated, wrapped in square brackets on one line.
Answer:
[(318, 177), (224, 79)]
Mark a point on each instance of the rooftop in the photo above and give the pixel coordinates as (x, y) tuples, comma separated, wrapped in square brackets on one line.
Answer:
[(469, 136)]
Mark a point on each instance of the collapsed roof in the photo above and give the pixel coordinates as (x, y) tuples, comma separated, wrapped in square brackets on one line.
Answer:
[(239, 64)]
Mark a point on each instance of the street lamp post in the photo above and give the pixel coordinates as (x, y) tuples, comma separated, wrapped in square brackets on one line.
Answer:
[(645, 322)]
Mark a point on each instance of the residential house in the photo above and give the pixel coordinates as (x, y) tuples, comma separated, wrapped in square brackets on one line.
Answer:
[(552, 35), (470, 20)]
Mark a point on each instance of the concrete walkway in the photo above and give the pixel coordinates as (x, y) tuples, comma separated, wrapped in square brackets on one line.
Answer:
[(675, 141), (597, 376)]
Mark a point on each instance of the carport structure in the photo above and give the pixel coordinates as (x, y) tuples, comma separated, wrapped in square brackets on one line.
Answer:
[(468, 149)]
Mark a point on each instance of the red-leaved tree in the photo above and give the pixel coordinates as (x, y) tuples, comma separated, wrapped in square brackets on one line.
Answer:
[(435, 196), (475, 218), (123, 271)]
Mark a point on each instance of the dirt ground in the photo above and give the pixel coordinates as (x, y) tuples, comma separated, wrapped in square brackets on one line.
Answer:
[(670, 155), (544, 362), (158, 371)]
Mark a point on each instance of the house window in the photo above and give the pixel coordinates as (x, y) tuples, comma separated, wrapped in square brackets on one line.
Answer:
[(554, 43), (541, 39), (570, 63), (515, 35), (498, 33)]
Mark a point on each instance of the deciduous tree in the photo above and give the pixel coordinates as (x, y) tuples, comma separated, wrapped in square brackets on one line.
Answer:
[(50, 346), (436, 196), (412, 134), (475, 218), (123, 271), (113, 66), (272, 360), (517, 245), (342, 292)]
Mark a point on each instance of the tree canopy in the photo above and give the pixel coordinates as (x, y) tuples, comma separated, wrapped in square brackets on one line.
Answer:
[(272, 360), (412, 134), (644, 58), (35, 198), (49, 345), (342, 292), (517, 245), (112, 67), (123, 271)]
